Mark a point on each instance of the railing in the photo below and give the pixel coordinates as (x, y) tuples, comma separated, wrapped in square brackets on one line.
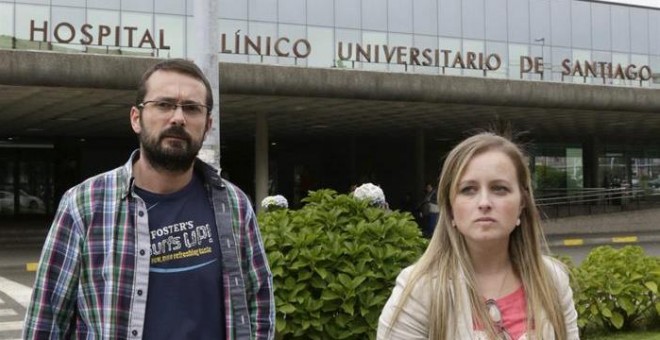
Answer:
[(555, 203), (21, 44)]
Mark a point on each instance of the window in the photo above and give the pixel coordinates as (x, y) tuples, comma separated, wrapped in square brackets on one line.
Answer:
[(321, 13), (496, 20), (518, 18), (292, 11), (425, 17), (473, 19), (400, 15), (323, 41), (6, 21)]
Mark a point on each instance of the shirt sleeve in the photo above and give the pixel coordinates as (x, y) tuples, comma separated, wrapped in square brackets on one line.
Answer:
[(259, 285), (565, 294), (568, 306), (412, 322), (51, 312)]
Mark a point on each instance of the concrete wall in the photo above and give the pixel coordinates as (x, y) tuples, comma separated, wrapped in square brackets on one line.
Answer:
[(28, 68)]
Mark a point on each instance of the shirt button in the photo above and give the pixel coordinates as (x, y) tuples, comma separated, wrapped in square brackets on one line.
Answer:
[(140, 213), (134, 332), (142, 252), (139, 292)]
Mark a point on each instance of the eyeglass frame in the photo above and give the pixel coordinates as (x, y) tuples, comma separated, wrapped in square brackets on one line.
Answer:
[(499, 324), (175, 106)]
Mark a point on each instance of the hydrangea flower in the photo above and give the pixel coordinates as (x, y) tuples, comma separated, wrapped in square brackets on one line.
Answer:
[(372, 193), (274, 202)]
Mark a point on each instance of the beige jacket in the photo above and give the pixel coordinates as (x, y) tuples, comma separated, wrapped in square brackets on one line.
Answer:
[(413, 320)]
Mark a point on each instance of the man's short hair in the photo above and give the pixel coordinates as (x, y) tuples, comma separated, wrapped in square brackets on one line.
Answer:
[(182, 66)]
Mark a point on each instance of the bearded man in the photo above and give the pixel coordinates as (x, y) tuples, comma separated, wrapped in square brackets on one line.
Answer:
[(162, 247)]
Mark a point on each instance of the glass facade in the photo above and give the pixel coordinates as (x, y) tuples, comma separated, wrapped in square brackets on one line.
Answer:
[(569, 41), (576, 41)]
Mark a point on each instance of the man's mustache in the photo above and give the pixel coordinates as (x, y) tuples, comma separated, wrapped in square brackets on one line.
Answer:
[(175, 132)]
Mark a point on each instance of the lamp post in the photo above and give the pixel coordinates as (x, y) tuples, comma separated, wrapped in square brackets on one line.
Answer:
[(205, 54)]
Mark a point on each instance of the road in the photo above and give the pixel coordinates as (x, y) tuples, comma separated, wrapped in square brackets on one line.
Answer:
[(16, 281), (15, 289), (650, 241)]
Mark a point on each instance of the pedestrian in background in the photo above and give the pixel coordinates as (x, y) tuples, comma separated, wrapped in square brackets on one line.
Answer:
[(161, 247), (483, 275), (429, 210)]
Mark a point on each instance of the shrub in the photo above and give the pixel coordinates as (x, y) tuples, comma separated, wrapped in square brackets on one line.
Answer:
[(334, 264), (617, 288)]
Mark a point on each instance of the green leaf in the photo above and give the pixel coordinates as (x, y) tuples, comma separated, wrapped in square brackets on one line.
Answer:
[(280, 325), (627, 305), (322, 272), (334, 263), (347, 307), (617, 320), (329, 295), (286, 309), (652, 286)]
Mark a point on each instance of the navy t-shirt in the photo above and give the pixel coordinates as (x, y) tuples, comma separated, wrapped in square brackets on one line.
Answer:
[(185, 298)]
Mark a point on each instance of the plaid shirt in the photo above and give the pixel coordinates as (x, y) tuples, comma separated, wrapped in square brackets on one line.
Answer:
[(93, 274)]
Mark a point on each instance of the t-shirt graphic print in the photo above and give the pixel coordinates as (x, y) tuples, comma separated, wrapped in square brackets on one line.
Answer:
[(185, 296)]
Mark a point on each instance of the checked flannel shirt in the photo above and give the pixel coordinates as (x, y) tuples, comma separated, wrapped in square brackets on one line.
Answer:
[(93, 274)]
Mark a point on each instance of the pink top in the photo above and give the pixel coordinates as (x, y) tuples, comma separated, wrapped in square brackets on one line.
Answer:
[(513, 308)]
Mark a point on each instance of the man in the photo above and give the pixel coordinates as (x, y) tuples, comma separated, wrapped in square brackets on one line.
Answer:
[(162, 247)]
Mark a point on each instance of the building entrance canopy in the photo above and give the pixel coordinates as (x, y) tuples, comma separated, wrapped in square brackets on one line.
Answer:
[(47, 95)]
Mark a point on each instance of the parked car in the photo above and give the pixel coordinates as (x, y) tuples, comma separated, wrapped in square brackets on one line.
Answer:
[(28, 203)]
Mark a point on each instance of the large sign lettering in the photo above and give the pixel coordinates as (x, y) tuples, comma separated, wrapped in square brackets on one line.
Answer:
[(266, 46), (593, 69), (86, 34), (414, 56), (131, 36)]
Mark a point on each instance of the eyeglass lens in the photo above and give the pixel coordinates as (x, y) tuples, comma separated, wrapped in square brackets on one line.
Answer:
[(167, 107)]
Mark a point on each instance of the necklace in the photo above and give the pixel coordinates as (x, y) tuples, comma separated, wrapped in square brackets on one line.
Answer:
[(499, 292)]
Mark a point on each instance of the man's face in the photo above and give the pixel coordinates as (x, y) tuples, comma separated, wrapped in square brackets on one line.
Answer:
[(170, 139)]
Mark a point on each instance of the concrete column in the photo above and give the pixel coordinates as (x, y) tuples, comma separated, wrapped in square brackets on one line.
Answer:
[(352, 153), (591, 150), (261, 160), (205, 49), (420, 165)]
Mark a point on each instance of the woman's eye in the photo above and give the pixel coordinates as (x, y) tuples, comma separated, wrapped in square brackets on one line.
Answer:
[(500, 189), (468, 190)]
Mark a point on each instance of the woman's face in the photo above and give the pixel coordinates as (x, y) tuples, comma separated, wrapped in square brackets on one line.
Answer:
[(488, 200)]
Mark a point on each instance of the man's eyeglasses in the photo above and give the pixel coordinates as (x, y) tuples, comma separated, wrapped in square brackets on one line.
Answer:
[(496, 317), (167, 107)]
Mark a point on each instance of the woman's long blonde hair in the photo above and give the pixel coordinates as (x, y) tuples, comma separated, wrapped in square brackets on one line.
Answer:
[(447, 258)]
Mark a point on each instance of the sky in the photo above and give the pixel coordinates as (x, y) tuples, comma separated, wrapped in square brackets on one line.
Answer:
[(647, 3)]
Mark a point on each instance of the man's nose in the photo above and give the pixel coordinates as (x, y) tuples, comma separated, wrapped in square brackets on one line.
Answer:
[(178, 117)]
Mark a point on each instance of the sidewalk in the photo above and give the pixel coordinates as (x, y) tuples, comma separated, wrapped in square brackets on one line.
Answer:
[(19, 258)]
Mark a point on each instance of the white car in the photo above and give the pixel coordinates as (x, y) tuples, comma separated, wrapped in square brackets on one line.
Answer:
[(28, 203)]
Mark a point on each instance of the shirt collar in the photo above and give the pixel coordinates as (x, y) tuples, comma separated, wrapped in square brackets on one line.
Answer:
[(209, 174)]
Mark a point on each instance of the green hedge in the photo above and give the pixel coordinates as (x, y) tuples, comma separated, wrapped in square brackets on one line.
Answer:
[(334, 264), (335, 260), (617, 289)]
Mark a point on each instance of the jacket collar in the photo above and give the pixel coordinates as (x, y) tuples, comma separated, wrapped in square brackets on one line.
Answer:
[(209, 174)]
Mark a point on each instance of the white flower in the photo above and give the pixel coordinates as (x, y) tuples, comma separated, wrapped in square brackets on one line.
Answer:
[(372, 193), (277, 201)]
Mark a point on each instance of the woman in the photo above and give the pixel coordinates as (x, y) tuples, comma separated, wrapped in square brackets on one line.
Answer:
[(483, 275)]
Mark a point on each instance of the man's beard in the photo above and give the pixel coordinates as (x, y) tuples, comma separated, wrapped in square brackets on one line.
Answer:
[(178, 156)]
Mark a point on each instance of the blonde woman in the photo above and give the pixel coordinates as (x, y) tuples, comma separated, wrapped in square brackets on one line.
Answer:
[(483, 275)]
